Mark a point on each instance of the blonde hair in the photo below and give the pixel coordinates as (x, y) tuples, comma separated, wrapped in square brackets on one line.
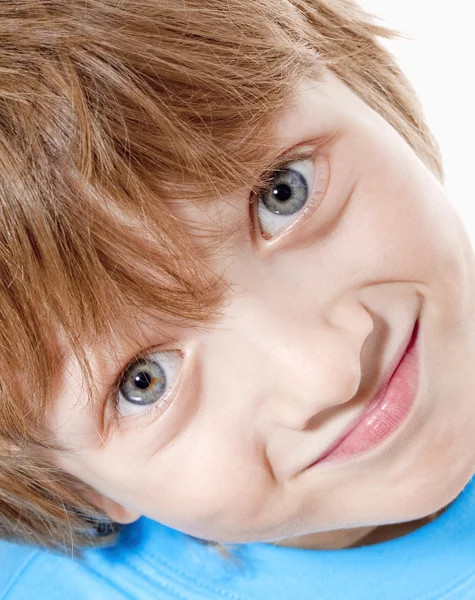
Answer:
[(110, 112)]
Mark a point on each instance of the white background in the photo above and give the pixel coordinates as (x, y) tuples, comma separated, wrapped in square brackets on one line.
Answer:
[(440, 63)]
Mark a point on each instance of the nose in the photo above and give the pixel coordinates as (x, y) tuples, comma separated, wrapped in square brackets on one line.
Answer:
[(324, 370), (327, 375), (285, 367)]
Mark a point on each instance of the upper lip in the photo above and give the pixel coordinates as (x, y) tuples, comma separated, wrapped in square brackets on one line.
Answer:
[(389, 372)]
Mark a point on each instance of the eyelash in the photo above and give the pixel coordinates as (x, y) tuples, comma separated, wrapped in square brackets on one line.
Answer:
[(159, 407), (311, 152), (266, 177)]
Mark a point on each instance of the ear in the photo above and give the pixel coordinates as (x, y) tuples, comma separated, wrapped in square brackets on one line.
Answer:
[(117, 512)]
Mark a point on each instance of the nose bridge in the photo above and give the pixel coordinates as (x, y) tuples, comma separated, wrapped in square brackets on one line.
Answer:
[(295, 360)]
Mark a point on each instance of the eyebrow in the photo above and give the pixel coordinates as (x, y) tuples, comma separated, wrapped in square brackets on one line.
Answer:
[(318, 141)]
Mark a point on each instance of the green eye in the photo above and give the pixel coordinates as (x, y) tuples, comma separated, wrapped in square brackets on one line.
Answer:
[(146, 381)]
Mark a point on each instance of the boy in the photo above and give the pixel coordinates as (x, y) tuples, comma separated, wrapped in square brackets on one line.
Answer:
[(235, 301)]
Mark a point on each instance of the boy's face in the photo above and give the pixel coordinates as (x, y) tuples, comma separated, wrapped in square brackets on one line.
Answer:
[(315, 318)]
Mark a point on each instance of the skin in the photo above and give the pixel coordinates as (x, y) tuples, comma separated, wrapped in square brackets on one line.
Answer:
[(316, 314)]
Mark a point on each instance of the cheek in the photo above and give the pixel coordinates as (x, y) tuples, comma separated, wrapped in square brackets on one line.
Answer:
[(205, 483), (400, 223)]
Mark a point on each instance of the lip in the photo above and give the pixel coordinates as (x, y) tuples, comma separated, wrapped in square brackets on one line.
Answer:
[(386, 412)]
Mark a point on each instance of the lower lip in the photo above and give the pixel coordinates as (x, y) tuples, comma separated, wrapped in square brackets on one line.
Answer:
[(386, 413)]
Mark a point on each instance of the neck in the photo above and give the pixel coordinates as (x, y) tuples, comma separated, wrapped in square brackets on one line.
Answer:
[(357, 537)]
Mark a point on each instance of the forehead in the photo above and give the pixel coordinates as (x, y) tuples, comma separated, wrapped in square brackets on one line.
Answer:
[(307, 116)]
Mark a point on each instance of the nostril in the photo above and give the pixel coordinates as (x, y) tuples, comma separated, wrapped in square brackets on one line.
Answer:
[(314, 402), (352, 317), (292, 416)]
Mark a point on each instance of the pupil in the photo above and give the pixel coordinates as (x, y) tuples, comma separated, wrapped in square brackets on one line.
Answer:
[(282, 192), (142, 380)]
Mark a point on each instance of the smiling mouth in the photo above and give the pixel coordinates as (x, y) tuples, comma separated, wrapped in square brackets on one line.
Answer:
[(387, 410)]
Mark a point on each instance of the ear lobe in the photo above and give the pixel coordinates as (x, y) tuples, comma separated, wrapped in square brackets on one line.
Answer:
[(118, 513), (115, 511)]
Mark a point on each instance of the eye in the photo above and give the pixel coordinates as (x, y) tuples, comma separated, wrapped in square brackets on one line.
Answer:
[(289, 191), (146, 382)]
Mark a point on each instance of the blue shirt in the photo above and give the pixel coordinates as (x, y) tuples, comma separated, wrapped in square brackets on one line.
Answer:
[(153, 561)]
